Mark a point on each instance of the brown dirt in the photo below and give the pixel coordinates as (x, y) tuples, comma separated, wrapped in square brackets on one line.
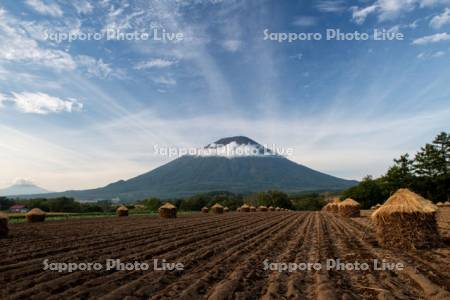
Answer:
[(223, 258)]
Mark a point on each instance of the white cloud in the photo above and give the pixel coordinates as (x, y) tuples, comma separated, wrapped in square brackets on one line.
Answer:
[(83, 6), (304, 21), (17, 46), (331, 6), (359, 15), (41, 103), (154, 63), (164, 80), (429, 39), (390, 9), (94, 67), (232, 45), (41, 7), (22, 181), (440, 20), (436, 54)]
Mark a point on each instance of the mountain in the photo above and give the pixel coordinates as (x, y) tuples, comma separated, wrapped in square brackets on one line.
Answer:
[(22, 187), (236, 164)]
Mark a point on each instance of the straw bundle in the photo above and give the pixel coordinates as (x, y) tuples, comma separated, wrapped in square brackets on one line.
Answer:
[(122, 211), (407, 221), (277, 208), (217, 208), (245, 208), (205, 210), (36, 215), (168, 210), (447, 204), (3, 225), (226, 209), (349, 208), (252, 209), (271, 208), (262, 208)]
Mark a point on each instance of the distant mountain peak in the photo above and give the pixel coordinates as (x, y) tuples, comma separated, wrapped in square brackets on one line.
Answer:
[(240, 140), (22, 187), (235, 146)]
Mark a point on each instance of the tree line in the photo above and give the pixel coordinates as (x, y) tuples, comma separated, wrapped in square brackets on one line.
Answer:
[(426, 173)]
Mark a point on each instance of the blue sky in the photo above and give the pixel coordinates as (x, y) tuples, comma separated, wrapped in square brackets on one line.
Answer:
[(84, 113)]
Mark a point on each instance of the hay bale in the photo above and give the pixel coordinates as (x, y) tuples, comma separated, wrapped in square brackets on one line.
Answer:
[(4, 229), (349, 208), (271, 208), (122, 211), (406, 221), (440, 204), (447, 204), (205, 210), (252, 209), (226, 209), (217, 208), (262, 208), (245, 208), (277, 208), (36, 215), (168, 211)]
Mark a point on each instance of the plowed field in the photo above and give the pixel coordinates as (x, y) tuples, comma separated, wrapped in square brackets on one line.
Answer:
[(223, 258)]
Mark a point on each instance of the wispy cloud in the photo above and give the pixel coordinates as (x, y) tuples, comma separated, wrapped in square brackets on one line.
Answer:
[(165, 80), (83, 6), (430, 39), (94, 67), (440, 20), (17, 46), (305, 21), (157, 63), (331, 6), (44, 8), (232, 45), (41, 103), (390, 9)]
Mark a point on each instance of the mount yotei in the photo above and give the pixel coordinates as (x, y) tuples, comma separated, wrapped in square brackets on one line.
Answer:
[(236, 164)]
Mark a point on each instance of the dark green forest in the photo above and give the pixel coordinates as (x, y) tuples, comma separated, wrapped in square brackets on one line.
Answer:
[(426, 173)]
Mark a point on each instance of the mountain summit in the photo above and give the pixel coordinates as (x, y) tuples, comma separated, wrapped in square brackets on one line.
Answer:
[(22, 187), (236, 146), (236, 164)]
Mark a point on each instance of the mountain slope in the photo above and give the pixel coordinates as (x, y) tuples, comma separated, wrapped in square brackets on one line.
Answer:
[(259, 171), (22, 187)]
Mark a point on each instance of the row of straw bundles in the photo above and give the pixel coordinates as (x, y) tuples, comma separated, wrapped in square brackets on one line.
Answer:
[(3, 225), (407, 221), (262, 208), (122, 211), (248, 208), (216, 208), (445, 204)]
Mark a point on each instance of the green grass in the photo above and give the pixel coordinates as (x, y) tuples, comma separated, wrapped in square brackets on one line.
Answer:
[(15, 218)]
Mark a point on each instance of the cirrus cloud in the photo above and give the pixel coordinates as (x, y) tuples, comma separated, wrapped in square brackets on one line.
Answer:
[(430, 39), (41, 7)]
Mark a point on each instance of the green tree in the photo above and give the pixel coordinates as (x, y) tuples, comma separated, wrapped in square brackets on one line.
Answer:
[(400, 175), (152, 203)]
